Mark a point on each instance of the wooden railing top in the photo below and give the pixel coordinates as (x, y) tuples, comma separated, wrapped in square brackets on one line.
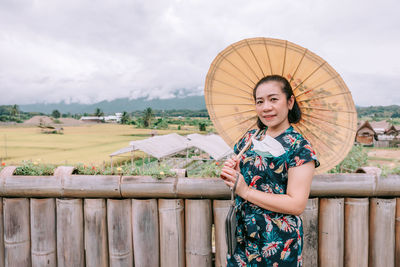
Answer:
[(64, 184)]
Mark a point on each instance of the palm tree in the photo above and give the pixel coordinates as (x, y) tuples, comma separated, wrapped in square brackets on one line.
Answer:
[(125, 119), (14, 110), (98, 113), (147, 117)]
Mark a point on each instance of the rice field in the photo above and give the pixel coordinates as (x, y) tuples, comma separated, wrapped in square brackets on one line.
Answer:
[(87, 144)]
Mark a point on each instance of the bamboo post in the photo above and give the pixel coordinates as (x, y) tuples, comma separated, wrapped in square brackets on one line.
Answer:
[(70, 247), (16, 232), (1, 234), (356, 211), (43, 232), (96, 242), (145, 228), (172, 235), (382, 232), (331, 232), (310, 230), (220, 209), (119, 216), (397, 232), (198, 220)]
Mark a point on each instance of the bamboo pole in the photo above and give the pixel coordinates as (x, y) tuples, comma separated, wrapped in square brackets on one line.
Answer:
[(1, 234), (220, 209), (343, 184), (147, 187), (119, 216), (43, 232), (331, 232), (382, 232), (145, 228), (63, 184), (356, 211), (397, 251), (96, 242), (70, 246), (172, 235), (16, 232), (91, 186), (198, 220), (310, 233)]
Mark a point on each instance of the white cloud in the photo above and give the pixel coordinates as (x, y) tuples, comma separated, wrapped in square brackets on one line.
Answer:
[(91, 51)]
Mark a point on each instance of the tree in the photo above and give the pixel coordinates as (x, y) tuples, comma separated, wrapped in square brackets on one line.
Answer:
[(147, 117), (125, 119), (14, 110), (98, 113), (202, 126), (56, 114)]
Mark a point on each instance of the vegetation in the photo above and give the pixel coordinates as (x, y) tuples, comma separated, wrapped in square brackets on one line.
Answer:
[(56, 114), (356, 158)]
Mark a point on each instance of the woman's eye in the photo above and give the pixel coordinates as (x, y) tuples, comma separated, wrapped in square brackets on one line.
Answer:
[(274, 99), (259, 102)]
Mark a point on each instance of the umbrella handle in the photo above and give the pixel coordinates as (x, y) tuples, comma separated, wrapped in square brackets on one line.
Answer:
[(246, 147)]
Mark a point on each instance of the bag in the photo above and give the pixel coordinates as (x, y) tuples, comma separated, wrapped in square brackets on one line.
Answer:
[(230, 222)]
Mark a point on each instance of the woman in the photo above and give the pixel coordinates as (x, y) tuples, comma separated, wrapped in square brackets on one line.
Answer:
[(275, 175)]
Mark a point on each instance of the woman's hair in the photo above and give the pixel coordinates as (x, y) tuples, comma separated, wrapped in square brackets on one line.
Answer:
[(294, 114)]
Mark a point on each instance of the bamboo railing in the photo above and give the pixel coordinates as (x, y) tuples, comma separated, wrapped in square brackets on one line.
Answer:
[(79, 220)]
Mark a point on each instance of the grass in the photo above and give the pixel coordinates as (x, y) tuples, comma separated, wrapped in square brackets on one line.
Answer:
[(87, 144)]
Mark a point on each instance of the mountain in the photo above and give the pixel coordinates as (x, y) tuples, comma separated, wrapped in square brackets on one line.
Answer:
[(119, 105)]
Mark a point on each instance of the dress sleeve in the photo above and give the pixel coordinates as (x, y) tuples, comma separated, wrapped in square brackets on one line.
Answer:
[(302, 154)]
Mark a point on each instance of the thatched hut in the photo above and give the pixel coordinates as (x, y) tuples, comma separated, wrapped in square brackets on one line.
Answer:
[(365, 134)]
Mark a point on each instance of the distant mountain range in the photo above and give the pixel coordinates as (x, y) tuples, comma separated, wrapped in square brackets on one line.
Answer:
[(120, 105)]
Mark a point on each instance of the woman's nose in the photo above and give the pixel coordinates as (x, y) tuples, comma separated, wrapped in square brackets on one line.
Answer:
[(267, 106)]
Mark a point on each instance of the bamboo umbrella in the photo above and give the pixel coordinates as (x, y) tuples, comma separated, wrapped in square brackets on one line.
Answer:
[(329, 117)]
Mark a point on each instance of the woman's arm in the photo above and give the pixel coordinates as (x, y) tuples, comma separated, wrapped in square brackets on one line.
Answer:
[(293, 202)]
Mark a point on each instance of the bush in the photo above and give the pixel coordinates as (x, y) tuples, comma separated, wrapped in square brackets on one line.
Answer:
[(356, 158)]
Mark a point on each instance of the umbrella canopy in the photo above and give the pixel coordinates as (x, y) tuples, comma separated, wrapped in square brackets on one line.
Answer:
[(329, 118)]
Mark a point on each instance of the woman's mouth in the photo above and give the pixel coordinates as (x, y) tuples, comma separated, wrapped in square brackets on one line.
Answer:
[(268, 117)]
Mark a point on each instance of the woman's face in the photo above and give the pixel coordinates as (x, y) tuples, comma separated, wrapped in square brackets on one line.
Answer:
[(271, 105)]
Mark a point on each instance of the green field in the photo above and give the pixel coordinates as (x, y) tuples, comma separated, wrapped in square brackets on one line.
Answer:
[(88, 144)]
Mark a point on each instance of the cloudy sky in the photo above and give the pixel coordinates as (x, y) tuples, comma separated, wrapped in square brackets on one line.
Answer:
[(88, 51)]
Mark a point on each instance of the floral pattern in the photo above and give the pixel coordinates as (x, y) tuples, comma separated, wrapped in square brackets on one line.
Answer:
[(266, 238)]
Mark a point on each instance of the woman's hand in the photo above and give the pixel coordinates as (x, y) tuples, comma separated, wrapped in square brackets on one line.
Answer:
[(228, 174)]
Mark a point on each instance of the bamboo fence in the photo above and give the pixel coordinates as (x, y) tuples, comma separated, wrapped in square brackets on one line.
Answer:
[(78, 220)]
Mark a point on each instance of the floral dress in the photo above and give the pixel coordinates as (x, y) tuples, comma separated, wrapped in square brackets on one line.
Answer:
[(266, 238)]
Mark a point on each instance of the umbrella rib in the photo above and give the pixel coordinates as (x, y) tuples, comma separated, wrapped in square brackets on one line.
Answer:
[(220, 68), (247, 92), (315, 87), (335, 110), (251, 50), (240, 55), (251, 126), (239, 70), (316, 137), (241, 112), (250, 118), (269, 60), (284, 58), (301, 60), (310, 75), (230, 104), (328, 122), (305, 100), (223, 93)]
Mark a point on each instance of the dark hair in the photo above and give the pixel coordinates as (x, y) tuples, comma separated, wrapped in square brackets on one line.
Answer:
[(294, 114)]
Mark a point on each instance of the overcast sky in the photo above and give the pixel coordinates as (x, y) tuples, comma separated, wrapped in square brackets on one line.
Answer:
[(88, 51)]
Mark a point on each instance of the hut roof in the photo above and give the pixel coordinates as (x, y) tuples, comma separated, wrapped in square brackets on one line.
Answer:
[(380, 126), (167, 145), (162, 145), (212, 144), (366, 124)]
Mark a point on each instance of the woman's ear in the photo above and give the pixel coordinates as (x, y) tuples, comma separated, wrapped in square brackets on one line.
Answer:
[(291, 102)]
